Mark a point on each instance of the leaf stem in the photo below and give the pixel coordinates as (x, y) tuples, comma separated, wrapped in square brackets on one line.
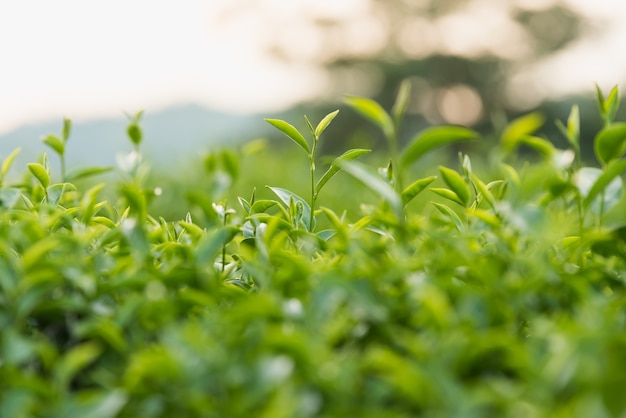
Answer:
[(312, 171)]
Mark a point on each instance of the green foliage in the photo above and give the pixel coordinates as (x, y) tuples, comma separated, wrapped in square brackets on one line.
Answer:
[(498, 291)]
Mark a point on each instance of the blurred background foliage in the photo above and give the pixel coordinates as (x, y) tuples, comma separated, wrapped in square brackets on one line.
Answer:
[(468, 60)]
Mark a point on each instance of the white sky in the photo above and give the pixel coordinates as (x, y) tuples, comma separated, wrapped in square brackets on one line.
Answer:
[(84, 60)]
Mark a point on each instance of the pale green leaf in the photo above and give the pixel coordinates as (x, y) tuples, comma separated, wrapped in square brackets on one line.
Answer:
[(335, 166), (416, 188), (402, 102), (456, 182), (610, 142), (376, 184), (287, 197), (432, 138), (55, 143), (443, 209), (521, 127), (40, 173), (291, 132), (82, 173), (324, 123), (6, 164), (374, 112)]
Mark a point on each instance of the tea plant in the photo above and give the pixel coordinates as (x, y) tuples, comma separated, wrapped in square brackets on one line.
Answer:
[(503, 297)]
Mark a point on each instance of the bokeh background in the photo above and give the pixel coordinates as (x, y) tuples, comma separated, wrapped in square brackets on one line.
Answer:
[(206, 73)]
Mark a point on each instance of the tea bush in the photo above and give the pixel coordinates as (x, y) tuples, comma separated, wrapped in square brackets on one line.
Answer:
[(499, 296)]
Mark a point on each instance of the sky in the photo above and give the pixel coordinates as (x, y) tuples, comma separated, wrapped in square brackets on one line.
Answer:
[(88, 60)]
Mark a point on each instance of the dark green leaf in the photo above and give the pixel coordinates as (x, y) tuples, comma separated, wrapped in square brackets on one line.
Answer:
[(74, 360), (67, 129), (134, 133)]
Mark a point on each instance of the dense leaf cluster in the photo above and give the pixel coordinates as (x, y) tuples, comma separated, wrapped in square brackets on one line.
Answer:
[(504, 298)]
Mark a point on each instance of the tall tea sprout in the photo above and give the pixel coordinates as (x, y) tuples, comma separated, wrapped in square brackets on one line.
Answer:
[(291, 199), (423, 142)]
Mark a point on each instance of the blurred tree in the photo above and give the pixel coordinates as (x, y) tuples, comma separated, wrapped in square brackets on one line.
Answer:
[(461, 55)]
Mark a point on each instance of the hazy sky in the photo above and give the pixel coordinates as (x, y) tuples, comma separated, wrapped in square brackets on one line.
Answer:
[(86, 59)]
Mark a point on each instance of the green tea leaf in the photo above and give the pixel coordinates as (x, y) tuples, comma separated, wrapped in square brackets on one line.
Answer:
[(374, 112), (434, 137), (611, 104), (245, 205), (573, 127), (83, 173), (450, 214), (540, 145), (610, 142), (287, 197), (67, 129), (291, 132), (210, 246), (76, 359), (416, 188), (454, 180), (134, 133), (230, 162), (335, 166), (6, 164), (134, 130), (89, 201), (40, 173), (9, 197), (324, 123), (602, 181), (521, 127), (262, 205), (376, 184), (484, 191), (55, 143), (447, 194), (402, 102), (55, 192), (310, 126)]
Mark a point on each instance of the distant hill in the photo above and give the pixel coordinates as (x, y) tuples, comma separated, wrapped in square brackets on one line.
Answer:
[(169, 136)]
